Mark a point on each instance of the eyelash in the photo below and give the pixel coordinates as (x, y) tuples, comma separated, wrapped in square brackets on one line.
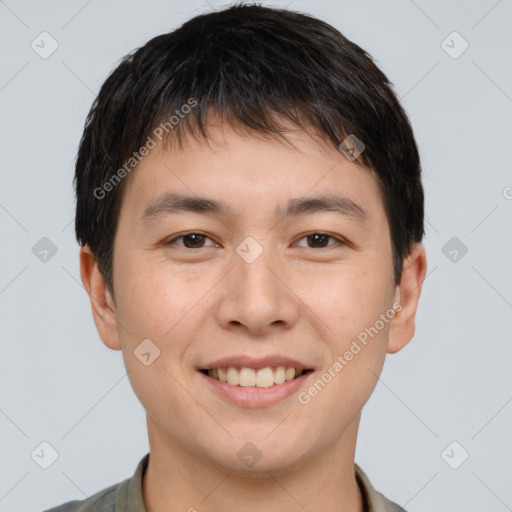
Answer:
[(183, 235)]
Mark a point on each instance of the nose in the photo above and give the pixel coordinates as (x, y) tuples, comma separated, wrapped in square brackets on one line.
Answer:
[(256, 296)]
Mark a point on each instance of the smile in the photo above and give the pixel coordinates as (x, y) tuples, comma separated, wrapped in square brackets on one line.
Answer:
[(249, 377)]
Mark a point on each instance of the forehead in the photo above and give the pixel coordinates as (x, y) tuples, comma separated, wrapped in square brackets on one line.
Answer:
[(239, 172)]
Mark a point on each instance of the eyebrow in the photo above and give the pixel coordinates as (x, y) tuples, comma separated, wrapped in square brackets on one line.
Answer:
[(173, 203)]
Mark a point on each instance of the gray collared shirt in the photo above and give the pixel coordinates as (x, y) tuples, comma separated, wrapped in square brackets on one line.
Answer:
[(126, 496)]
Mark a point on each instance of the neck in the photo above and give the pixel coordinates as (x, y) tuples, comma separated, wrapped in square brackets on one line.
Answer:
[(178, 480)]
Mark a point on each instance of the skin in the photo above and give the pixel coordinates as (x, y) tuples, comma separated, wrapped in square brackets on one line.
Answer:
[(299, 298)]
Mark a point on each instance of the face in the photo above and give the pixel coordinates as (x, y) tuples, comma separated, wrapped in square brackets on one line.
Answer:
[(287, 264)]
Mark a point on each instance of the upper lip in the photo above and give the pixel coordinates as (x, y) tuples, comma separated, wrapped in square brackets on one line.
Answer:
[(255, 363)]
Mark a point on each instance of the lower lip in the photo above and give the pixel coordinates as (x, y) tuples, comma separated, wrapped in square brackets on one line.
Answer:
[(254, 397)]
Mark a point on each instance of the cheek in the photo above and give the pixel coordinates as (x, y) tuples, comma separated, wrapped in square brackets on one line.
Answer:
[(347, 300), (153, 313), (161, 305), (355, 306), (152, 300)]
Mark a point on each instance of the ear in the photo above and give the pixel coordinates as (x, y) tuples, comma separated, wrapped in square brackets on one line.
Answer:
[(102, 303), (407, 295)]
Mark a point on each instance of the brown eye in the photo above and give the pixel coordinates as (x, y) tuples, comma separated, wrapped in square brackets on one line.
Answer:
[(193, 241), (320, 240), (190, 241)]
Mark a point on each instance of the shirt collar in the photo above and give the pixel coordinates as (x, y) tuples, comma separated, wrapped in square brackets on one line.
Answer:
[(373, 500), (129, 494)]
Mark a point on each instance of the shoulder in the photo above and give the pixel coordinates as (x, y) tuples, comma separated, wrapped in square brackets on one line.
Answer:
[(121, 497), (104, 500)]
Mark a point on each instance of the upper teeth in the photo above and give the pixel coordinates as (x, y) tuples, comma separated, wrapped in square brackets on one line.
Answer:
[(262, 378)]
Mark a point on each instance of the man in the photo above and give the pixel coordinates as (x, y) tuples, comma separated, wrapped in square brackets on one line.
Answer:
[(250, 211)]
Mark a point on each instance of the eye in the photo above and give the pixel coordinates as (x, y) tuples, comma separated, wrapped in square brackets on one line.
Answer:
[(190, 240), (320, 240), (195, 240)]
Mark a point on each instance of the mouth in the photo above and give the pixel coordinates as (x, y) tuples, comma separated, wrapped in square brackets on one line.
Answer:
[(266, 377)]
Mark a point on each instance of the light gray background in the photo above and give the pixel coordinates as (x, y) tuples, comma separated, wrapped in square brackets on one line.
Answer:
[(60, 384)]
